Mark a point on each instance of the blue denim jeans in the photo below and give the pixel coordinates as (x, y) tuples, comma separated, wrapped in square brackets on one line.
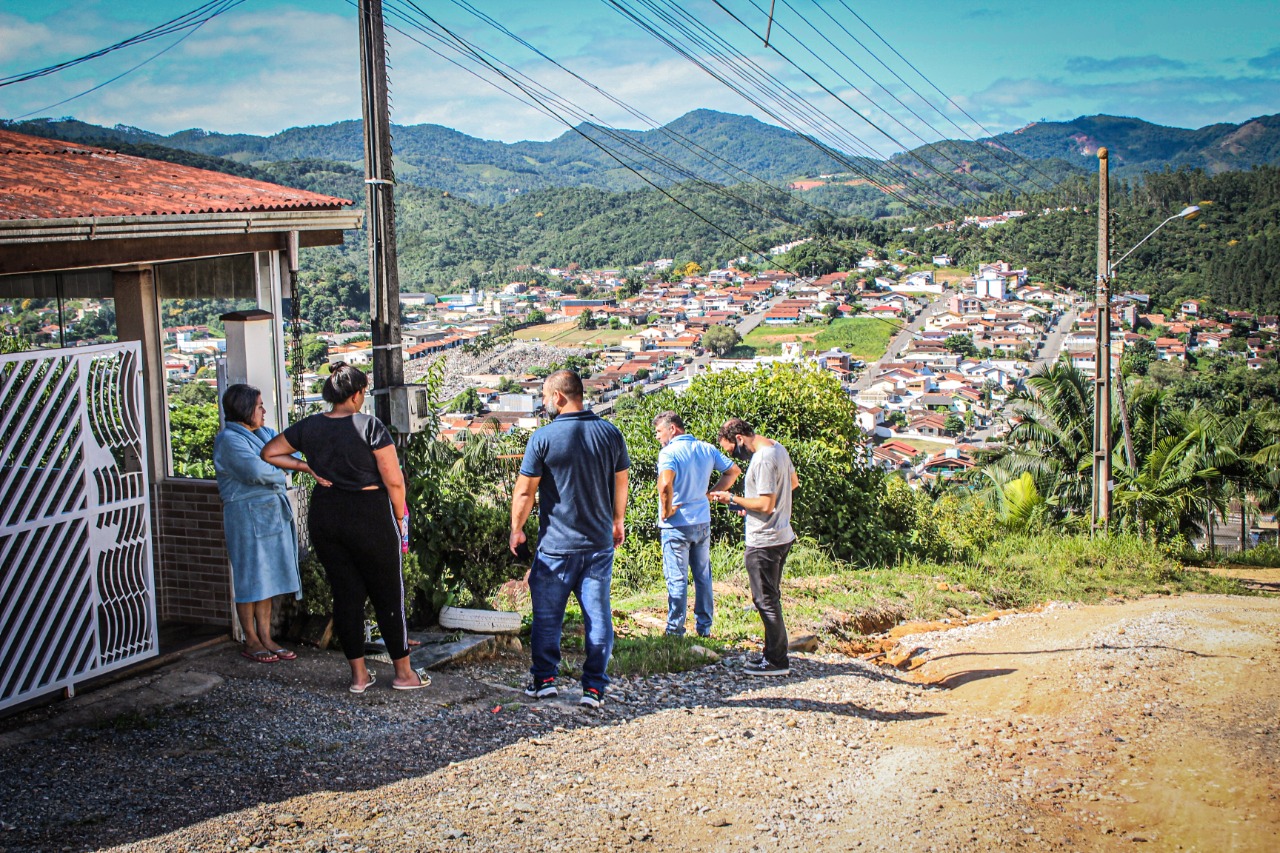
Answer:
[(587, 575), (687, 550)]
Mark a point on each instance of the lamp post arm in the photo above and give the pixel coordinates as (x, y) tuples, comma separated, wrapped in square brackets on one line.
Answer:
[(1112, 267)]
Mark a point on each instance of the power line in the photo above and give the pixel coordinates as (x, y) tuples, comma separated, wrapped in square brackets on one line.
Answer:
[(541, 98), (190, 21), (124, 73), (726, 166), (463, 46), (572, 108), (850, 106), (988, 150), (947, 97), (787, 100), (846, 55), (770, 89)]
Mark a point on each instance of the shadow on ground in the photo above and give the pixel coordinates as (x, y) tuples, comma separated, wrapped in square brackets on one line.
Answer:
[(264, 733)]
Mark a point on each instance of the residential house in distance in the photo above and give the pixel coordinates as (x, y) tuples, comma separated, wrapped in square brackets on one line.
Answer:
[(996, 281)]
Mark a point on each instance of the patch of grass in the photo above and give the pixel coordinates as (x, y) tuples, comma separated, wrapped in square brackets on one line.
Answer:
[(569, 335), (824, 596), (1027, 569), (768, 340), (646, 655), (866, 337)]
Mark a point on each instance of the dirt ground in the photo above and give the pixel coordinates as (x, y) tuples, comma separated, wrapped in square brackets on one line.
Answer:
[(1151, 722)]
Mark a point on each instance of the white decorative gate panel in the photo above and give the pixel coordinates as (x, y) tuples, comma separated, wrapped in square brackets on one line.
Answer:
[(77, 590)]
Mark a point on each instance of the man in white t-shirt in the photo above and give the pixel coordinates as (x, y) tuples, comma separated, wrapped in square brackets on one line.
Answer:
[(766, 506)]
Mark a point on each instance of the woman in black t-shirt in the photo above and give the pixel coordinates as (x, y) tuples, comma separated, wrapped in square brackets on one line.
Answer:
[(356, 522)]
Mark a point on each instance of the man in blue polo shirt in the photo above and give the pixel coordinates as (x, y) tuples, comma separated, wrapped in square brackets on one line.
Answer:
[(578, 467), (684, 519)]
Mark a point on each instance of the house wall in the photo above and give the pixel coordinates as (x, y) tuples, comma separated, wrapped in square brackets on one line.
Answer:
[(193, 575)]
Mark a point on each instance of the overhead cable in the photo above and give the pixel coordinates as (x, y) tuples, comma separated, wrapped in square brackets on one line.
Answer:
[(536, 98), (190, 21), (934, 86), (764, 91), (841, 99)]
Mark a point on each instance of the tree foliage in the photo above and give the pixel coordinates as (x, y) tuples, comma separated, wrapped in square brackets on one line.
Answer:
[(839, 499), (720, 339)]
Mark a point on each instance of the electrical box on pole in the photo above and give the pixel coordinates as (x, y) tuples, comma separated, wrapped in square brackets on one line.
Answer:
[(384, 278)]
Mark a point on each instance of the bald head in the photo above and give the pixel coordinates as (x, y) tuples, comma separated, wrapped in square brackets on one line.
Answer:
[(562, 392), (565, 382)]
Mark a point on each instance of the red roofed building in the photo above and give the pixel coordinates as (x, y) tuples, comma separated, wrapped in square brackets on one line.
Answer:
[(83, 222)]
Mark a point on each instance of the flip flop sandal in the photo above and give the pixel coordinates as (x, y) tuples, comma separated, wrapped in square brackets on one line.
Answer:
[(373, 679), (263, 656), (424, 680), (285, 654)]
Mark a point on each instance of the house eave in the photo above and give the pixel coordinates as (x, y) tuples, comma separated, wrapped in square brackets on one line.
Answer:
[(18, 231), (48, 245)]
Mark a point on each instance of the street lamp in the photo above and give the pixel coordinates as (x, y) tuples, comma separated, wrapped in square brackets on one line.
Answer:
[(1102, 446), (1191, 211)]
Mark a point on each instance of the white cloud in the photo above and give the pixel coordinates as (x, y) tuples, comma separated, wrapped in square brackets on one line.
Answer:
[(1177, 101), (32, 45), (248, 73)]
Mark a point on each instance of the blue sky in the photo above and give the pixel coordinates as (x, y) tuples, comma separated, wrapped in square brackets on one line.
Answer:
[(272, 64)]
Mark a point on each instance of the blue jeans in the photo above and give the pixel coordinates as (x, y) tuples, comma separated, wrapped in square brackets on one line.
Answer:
[(587, 575), (687, 550)]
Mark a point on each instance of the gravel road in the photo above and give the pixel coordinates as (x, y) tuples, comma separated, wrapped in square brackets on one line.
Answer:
[(1073, 728)]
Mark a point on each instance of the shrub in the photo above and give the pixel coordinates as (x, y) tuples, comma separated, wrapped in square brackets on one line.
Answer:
[(1263, 556), (1022, 570), (838, 503), (459, 517)]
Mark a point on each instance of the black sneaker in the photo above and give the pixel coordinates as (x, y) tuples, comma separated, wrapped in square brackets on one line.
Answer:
[(540, 688), (763, 667), (592, 697)]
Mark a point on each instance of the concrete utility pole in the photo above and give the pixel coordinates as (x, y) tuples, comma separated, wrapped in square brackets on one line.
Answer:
[(1101, 514), (384, 277)]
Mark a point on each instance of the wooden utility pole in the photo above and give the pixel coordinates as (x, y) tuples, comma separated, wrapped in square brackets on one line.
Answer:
[(1101, 514), (384, 277)]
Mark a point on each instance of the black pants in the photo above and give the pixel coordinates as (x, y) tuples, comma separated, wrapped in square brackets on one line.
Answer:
[(357, 541), (764, 570)]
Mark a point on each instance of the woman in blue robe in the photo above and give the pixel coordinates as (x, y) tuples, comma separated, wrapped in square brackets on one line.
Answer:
[(257, 518)]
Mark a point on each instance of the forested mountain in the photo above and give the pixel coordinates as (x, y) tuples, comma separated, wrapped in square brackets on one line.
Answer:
[(729, 149), (446, 242), (1229, 254), (1138, 146), (492, 172), (449, 238)]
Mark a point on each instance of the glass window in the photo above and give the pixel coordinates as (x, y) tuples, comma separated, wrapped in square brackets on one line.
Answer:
[(53, 310), (193, 295)]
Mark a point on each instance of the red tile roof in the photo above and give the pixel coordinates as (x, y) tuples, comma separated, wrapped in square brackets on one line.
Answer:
[(50, 179)]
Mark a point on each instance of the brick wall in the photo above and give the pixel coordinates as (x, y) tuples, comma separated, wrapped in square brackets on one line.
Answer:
[(193, 576)]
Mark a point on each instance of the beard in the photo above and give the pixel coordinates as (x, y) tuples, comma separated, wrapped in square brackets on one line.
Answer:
[(552, 410), (741, 453)]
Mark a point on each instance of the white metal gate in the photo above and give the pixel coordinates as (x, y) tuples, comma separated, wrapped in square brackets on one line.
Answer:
[(77, 589)]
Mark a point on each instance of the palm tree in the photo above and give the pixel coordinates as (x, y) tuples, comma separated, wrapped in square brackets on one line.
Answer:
[(1053, 440), (1213, 443), (1168, 493)]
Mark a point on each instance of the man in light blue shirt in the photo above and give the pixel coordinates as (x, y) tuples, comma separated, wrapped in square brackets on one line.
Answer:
[(685, 465)]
